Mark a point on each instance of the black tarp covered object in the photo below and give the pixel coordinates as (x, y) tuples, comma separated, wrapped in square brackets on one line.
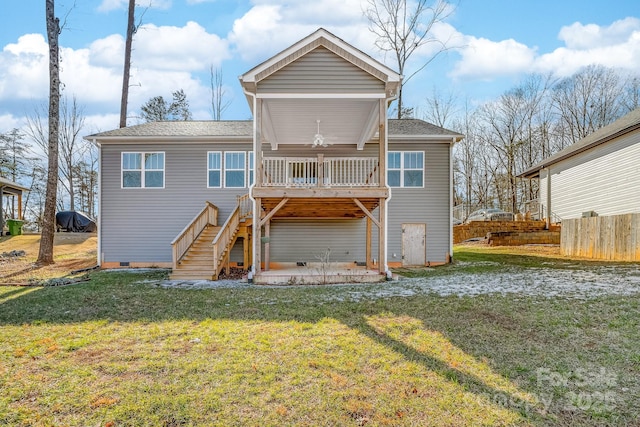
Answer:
[(74, 221)]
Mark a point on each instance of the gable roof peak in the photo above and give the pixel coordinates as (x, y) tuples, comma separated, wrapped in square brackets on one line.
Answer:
[(326, 39)]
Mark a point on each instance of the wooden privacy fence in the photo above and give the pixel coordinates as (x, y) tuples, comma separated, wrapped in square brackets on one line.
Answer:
[(603, 237)]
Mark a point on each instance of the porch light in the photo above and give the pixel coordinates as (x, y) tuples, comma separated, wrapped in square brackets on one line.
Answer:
[(318, 139)]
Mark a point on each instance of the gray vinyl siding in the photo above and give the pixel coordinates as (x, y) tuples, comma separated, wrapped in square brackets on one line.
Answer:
[(321, 71), (603, 179), (429, 205), (306, 240), (138, 224)]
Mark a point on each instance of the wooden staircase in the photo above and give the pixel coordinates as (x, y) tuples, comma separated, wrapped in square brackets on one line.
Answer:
[(197, 263), (202, 250)]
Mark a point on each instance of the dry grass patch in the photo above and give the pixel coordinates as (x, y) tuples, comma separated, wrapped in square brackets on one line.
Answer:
[(72, 251)]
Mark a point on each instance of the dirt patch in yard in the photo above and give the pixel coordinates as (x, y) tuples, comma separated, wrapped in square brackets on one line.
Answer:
[(18, 254)]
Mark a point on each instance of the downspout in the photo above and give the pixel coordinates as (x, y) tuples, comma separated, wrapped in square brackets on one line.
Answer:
[(254, 241), (387, 272), (99, 254), (451, 190), (548, 225)]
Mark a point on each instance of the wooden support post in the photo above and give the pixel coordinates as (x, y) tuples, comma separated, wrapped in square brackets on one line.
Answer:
[(382, 244), (368, 247), (19, 216), (246, 259), (267, 245)]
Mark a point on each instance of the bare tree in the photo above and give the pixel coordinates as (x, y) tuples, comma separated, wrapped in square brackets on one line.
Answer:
[(441, 109), (218, 93), (585, 102), (403, 27), (45, 254), (510, 123), (71, 146), (131, 30), (14, 162), (631, 97)]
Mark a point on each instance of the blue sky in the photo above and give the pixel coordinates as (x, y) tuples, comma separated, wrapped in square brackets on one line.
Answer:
[(500, 41)]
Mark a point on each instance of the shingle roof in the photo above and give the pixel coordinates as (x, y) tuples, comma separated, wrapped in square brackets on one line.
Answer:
[(418, 127), (244, 128), (622, 126), (9, 185), (194, 129)]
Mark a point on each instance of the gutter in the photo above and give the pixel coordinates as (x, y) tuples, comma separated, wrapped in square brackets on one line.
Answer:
[(99, 253), (252, 273)]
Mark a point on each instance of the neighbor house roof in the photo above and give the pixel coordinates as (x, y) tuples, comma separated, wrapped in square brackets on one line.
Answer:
[(622, 126), (242, 129), (11, 187)]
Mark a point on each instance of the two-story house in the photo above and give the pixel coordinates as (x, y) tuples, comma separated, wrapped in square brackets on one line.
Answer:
[(320, 177)]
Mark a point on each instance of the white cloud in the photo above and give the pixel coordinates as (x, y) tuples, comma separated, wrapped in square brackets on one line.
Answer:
[(486, 59), (9, 122), (585, 37), (24, 68), (616, 46), (270, 26), (188, 48)]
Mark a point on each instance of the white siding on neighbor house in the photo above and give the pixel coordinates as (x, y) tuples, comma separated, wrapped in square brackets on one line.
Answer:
[(604, 179), (321, 71), (138, 224), (429, 205)]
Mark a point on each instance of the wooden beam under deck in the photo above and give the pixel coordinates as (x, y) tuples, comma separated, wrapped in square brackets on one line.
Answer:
[(318, 208)]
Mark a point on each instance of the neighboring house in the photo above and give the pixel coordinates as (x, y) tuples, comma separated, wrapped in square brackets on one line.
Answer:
[(596, 175), (10, 189), (319, 174)]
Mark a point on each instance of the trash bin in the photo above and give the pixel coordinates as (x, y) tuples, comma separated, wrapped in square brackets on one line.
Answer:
[(15, 226)]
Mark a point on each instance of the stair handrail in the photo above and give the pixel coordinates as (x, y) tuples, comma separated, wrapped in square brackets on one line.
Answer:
[(183, 241), (246, 206), (223, 239)]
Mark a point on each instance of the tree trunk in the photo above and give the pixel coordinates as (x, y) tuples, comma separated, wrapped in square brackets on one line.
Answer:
[(45, 255), (131, 29)]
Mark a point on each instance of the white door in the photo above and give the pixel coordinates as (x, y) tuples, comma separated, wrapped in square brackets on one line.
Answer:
[(414, 249)]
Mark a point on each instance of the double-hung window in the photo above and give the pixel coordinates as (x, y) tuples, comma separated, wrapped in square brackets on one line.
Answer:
[(251, 167), (234, 169), (143, 170), (405, 169), (214, 169)]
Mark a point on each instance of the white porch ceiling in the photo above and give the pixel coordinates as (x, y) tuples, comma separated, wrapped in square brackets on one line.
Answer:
[(350, 121)]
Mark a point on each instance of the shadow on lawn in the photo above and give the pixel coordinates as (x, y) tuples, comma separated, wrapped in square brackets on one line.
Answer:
[(116, 297)]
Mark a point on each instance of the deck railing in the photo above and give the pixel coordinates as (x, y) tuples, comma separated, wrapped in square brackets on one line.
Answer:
[(207, 216), (223, 239), (320, 172)]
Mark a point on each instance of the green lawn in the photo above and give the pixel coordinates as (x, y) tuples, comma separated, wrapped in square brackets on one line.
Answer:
[(116, 352)]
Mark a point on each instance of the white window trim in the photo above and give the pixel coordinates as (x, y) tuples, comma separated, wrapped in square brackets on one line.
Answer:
[(221, 170), (251, 167), (143, 170), (402, 168), (244, 168)]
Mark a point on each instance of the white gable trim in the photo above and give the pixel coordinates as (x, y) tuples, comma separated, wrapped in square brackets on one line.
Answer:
[(320, 38)]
